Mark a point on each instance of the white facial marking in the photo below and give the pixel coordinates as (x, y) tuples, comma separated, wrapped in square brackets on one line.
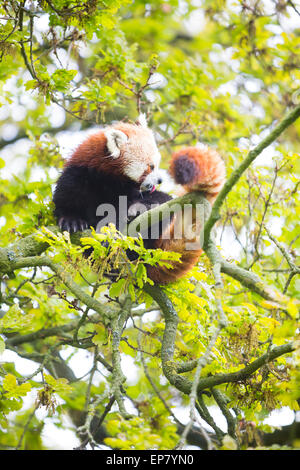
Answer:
[(135, 169), (139, 151), (115, 140)]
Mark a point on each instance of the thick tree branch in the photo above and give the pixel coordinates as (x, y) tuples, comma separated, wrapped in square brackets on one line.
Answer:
[(164, 211), (26, 252), (245, 372), (171, 369)]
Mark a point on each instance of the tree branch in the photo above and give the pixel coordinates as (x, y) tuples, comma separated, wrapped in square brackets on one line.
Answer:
[(168, 346), (247, 278), (245, 372), (236, 174), (26, 252), (118, 378), (163, 211)]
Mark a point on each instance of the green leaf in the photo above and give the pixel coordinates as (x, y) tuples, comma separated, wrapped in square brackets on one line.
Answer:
[(12, 389), (61, 79), (2, 345), (31, 84), (14, 319), (58, 385), (117, 288)]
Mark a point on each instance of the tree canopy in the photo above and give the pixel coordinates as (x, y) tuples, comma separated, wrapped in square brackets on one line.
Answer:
[(163, 362)]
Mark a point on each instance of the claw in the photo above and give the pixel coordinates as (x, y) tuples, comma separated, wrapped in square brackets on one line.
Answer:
[(72, 225), (83, 225)]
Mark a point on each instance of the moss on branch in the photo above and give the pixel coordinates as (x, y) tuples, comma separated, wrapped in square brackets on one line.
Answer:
[(27, 252), (163, 211), (171, 369)]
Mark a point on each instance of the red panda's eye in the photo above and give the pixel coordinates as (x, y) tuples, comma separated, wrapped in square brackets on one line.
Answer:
[(151, 167)]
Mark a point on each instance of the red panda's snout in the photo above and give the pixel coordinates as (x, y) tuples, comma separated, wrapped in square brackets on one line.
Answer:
[(151, 181)]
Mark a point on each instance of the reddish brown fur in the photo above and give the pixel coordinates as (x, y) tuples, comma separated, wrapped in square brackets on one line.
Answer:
[(93, 153), (210, 174), (164, 275), (208, 177)]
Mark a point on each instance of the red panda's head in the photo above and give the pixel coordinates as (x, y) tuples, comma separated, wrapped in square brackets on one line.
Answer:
[(134, 146), (125, 150)]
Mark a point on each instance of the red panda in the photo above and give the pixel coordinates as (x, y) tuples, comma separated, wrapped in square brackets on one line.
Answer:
[(122, 161)]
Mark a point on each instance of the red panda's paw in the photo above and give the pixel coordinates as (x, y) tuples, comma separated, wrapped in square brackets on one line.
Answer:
[(72, 224)]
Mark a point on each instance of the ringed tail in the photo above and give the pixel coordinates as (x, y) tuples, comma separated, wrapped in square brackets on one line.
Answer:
[(195, 169)]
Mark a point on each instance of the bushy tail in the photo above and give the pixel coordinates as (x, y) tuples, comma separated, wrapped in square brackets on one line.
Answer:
[(195, 169), (199, 169)]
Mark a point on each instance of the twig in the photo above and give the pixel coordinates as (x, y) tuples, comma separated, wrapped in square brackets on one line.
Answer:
[(181, 130), (236, 174), (294, 269), (156, 391), (222, 403), (284, 252), (118, 377), (30, 417), (29, 65), (139, 91), (85, 429), (260, 225)]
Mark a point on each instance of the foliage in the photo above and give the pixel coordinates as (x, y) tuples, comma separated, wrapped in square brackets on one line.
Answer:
[(223, 73)]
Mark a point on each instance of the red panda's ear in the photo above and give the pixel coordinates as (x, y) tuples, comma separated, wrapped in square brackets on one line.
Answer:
[(141, 120), (114, 141)]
